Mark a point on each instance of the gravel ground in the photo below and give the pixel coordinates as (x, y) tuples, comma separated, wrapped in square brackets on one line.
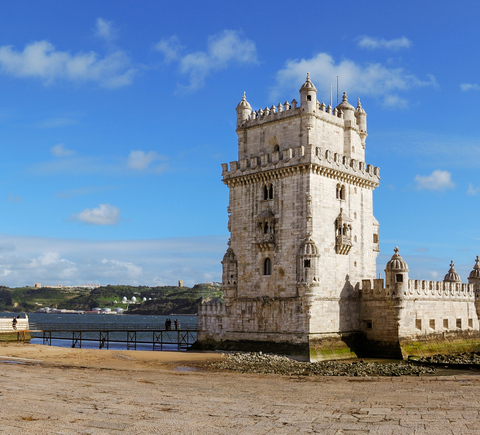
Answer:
[(275, 364)]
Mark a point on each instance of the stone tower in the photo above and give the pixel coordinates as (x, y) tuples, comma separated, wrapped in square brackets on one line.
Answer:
[(303, 234)]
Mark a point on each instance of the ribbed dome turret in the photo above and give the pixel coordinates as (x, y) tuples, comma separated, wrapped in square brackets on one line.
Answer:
[(309, 248), (229, 256), (345, 105), (244, 104), (360, 109), (396, 263), (308, 85), (475, 273), (452, 275)]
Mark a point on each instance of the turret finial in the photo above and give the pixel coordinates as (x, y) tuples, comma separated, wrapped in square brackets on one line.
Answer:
[(345, 97)]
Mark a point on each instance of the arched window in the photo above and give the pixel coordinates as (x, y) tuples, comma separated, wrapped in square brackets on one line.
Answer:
[(276, 148), (341, 192), (267, 266), (265, 228), (268, 192)]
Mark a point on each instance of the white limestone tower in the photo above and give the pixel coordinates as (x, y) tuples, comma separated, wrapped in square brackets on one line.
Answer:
[(303, 234)]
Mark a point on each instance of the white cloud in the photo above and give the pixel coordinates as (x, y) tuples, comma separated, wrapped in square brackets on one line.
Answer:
[(170, 47), (105, 30), (472, 190), (387, 44), (223, 49), (41, 60), (104, 214), (140, 160), (59, 150), (438, 180), (470, 87), (372, 79)]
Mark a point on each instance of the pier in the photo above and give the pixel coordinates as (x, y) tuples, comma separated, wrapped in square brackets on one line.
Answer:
[(105, 334)]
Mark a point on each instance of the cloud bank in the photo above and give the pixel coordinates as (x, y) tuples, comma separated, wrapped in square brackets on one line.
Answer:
[(26, 260), (41, 60), (372, 79)]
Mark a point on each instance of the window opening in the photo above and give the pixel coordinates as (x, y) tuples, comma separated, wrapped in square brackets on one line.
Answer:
[(270, 192), (306, 263), (267, 266)]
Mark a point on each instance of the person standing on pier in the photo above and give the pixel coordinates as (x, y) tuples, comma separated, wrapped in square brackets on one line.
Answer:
[(14, 323), (176, 324)]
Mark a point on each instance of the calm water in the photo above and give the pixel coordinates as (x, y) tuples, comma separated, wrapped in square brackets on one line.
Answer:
[(104, 320)]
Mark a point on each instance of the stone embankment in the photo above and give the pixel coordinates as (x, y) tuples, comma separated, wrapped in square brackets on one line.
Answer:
[(275, 364)]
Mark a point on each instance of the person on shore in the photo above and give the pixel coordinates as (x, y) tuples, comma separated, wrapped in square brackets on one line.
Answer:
[(14, 323)]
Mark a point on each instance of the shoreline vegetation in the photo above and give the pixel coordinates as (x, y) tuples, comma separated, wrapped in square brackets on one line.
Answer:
[(144, 300)]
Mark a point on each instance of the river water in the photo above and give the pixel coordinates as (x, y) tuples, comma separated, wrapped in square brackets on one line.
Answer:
[(106, 321)]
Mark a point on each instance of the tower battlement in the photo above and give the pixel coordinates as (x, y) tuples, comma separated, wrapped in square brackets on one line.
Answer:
[(418, 289), (286, 110), (290, 160)]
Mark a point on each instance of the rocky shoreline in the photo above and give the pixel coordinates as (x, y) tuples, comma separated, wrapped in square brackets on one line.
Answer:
[(276, 364)]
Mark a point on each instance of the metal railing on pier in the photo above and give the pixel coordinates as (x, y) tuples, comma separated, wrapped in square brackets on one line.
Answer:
[(107, 333)]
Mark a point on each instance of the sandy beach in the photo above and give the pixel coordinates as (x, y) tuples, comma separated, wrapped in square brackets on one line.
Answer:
[(53, 390)]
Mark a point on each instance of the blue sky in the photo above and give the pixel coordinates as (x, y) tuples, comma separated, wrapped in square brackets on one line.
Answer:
[(116, 116)]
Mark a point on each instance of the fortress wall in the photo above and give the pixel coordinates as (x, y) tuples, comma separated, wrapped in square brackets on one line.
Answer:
[(425, 308), (432, 316), (265, 319)]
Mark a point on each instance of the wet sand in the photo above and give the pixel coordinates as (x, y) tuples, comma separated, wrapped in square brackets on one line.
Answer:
[(53, 390)]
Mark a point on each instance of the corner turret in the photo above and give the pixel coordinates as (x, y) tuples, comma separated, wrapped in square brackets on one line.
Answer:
[(452, 275), (396, 275), (308, 96), (347, 109), (243, 111), (361, 116)]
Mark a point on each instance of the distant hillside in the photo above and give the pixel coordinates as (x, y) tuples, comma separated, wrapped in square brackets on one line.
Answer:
[(149, 300)]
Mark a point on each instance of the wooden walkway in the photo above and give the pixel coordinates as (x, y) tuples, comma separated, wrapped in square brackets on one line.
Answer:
[(105, 334)]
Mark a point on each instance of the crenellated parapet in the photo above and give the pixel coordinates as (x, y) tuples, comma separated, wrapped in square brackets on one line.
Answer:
[(419, 290), (288, 110), (211, 308), (291, 160)]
